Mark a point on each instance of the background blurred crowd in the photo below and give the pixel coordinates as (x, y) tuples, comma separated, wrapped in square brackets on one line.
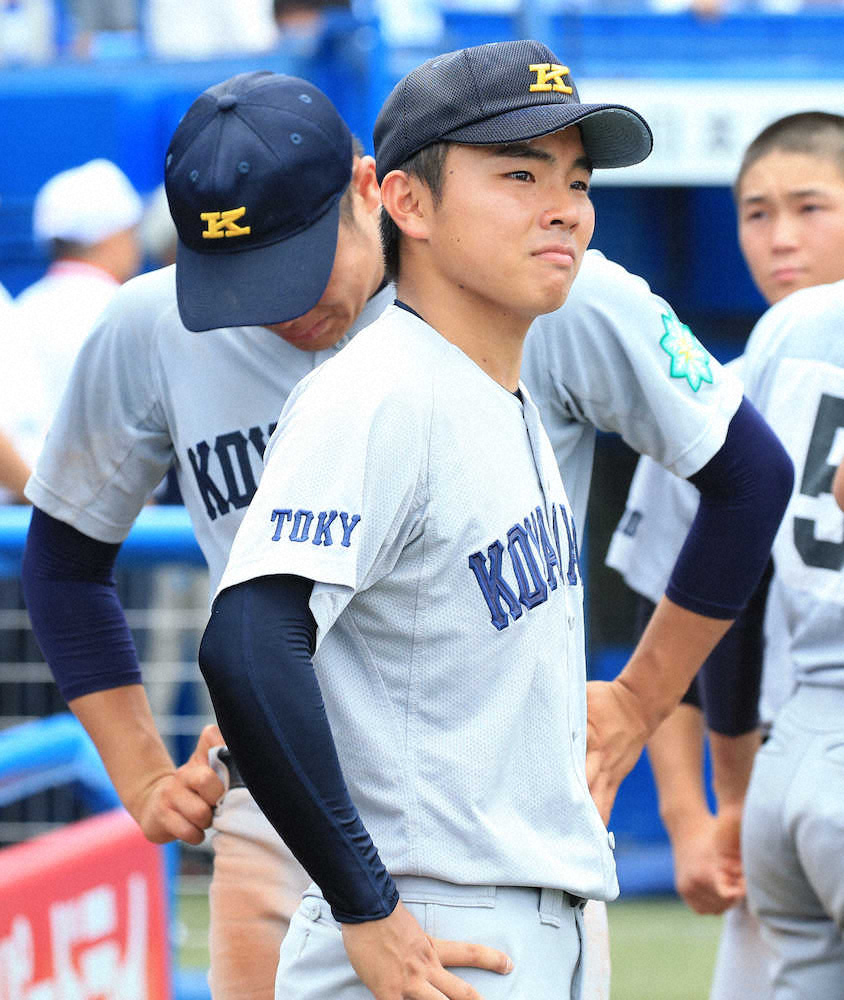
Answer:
[(37, 31)]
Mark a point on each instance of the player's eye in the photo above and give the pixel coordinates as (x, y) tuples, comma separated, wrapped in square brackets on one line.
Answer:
[(811, 207), (522, 175), (580, 185), (755, 215)]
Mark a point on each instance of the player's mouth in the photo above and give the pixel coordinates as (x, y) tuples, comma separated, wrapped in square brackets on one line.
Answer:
[(788, 275), (560, 254), (302, 335)]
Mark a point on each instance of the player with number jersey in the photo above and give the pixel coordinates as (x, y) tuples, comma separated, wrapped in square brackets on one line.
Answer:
[(794, 815), (790, 203), (148, 392), (411, 555)]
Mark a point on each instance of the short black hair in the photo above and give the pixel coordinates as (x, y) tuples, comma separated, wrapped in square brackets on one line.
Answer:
[(427, 165), (816, 133)]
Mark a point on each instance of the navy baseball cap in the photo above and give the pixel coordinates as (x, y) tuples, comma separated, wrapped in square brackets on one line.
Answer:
[(254, 176), (498, 93)]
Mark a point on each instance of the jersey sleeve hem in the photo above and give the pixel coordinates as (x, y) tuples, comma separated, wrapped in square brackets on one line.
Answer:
[(708, 443), (40, 495)]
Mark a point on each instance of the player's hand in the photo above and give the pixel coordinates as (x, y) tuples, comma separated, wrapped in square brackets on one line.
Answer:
[(396, 960), (697, 871), (179, 805), (616, 731)]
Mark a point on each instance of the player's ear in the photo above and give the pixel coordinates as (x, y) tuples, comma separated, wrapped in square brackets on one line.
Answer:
[(404, 199), (365, 183)]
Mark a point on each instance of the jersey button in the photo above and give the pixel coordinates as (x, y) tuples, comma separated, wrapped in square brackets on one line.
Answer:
[(611, 839), (572, 622)]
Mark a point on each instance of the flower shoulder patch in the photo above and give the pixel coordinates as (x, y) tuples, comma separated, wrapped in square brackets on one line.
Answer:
[(689, 358)]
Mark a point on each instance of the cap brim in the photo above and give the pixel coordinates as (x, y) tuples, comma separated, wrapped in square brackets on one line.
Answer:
[(613, 136), (259, 286)]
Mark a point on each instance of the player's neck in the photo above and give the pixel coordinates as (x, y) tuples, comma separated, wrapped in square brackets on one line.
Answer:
[(486, 333)]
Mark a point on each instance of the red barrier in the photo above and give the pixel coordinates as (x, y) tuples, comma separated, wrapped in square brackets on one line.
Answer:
[(83, 915)]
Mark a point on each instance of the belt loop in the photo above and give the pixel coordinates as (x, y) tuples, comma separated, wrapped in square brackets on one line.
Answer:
[(551, 906)]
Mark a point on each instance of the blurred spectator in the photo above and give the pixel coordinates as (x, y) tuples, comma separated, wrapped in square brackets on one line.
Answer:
[(27, 31), (93, 17), (303, 17), (711, 10), (159, 238), (202, 29), (88, 218)]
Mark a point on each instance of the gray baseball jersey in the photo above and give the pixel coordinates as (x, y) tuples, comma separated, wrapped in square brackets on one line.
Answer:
[(794, 370), (617, 358), (425, 501)]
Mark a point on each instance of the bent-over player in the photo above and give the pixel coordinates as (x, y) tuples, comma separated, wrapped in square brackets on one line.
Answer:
[(411, 556)]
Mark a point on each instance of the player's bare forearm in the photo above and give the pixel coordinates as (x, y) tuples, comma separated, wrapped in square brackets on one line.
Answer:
[(14, 471), (624, 713), (672, 649), (732, 762), (396, 960), (676, 755), (168, 803)]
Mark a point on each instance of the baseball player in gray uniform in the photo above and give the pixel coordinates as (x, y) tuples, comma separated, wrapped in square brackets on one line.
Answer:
[(790, 200), (148, 392), (395, 652), (794, 815)]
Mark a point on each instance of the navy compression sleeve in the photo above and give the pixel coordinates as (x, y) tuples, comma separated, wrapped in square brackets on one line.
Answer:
[(71, 595), (256, 659), (744, 490), (730, 679)]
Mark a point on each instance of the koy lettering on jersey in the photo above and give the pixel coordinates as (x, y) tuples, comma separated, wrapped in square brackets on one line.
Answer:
[(516, 574), (228, 470)]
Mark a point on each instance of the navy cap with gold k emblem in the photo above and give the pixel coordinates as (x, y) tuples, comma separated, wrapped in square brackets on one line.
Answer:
[(254, 176), (498, 93)]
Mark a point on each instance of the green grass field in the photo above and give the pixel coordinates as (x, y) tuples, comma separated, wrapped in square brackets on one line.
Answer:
[(660, 949)]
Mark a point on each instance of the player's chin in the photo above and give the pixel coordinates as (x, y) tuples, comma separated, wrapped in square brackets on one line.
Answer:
[(553, 293)]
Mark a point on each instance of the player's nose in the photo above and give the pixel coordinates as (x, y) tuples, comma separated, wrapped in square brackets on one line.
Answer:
[(784, 232), (564, 211)]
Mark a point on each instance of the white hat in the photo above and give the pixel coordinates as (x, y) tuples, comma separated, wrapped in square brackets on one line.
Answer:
[(86, 204)]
